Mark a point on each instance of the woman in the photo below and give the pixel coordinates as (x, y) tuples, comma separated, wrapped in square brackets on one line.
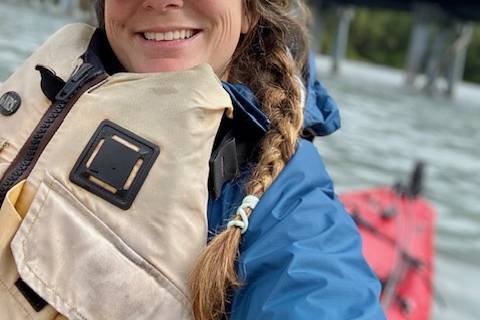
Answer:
[(297, 255)]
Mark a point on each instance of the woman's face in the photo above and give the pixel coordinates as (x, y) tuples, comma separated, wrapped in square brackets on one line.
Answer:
[(171, 35)]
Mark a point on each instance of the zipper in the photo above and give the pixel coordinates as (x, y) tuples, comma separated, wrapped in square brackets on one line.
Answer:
[(83, 79)]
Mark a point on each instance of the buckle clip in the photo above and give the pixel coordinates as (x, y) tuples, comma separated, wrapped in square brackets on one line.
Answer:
[(223, 166)]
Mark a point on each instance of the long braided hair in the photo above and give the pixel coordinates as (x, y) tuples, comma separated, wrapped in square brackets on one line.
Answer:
[(269, 59)]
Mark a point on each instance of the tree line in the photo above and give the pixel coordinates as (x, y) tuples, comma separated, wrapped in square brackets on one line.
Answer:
[(383, 36)]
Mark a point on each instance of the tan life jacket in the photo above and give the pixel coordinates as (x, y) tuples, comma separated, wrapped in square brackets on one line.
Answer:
[(79, 250)]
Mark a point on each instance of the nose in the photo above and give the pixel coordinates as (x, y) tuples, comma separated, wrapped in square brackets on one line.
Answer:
[(162, 5)]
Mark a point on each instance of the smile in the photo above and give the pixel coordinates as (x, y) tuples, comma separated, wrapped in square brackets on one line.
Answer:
[(170, 35)]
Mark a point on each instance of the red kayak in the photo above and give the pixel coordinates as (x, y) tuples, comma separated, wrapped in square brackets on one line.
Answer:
[(397, 228)]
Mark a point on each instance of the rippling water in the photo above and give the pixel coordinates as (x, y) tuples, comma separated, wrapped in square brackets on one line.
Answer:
[(22, 30), (385, 129)]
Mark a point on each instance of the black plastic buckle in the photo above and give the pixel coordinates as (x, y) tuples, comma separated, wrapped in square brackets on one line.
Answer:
[(114, 164), (223, 166), (31, 296)]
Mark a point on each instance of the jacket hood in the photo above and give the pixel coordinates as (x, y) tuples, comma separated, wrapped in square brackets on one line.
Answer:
[(321, 114)]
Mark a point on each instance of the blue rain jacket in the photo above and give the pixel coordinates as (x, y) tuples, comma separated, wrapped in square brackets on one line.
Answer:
[(301, 257)]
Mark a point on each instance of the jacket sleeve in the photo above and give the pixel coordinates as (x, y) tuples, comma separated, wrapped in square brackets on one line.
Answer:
[(301, 257)]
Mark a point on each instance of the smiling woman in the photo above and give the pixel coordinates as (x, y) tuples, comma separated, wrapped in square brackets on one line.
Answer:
[(138, 185), (150, 36)]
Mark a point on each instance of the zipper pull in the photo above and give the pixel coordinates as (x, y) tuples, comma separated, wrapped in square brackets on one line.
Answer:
[(84, 74)]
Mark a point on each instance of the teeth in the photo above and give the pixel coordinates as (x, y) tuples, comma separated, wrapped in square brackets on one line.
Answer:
[(168, 36)]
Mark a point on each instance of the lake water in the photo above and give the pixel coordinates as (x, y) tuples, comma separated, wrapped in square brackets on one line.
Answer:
[(386, 127)]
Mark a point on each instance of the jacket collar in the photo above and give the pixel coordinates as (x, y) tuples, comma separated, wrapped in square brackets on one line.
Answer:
[(100, 54), (246, 107), (321, 115)]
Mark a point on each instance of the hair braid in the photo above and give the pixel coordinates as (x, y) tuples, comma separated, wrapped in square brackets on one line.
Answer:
[(275, 82), (269, 60)]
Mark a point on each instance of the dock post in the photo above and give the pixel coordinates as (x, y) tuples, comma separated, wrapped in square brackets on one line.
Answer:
[(456, 67), (345, 15), (317, 27), (419, 40), (66, 6), (439, 55)]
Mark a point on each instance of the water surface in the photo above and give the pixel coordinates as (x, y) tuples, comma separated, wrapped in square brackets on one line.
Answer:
[(385, 129)]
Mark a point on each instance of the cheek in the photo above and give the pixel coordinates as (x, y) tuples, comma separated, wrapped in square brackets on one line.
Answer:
[(225, 17), (118, 16), (117, 13), (227, 29), (229, 32), (114, 34)]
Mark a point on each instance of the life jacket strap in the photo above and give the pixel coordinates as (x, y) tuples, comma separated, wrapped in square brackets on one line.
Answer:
[(31, 296)]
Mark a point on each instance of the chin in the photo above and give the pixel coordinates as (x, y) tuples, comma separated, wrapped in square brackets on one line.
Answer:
[(163, 66)]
